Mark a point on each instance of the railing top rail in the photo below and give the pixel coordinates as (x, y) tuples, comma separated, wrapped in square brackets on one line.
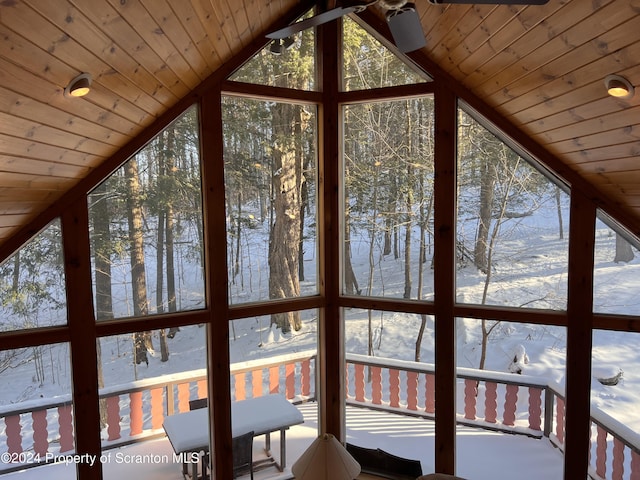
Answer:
[(391, 363), (34, 405), (250, 365), (502, 377), (155, 382), (462, 372), (627, 436)]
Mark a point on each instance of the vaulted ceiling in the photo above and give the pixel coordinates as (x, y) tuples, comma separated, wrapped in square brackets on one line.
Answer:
[(541, 68)]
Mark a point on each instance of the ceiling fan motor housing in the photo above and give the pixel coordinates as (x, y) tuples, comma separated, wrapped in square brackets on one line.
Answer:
[(392, 4)]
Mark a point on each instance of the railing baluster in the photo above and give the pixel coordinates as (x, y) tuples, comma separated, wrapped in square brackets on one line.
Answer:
[(617, 468), (511, 399), (290, 383), (412, 390), (535, 408), (256, 383), (560, 419), (470, 396), (601, 452), (430, 393), (359, 382), (394, 387), (305, 377), (491, 402), (376, 385), (274, 379), (113, 418), (14, 437), (240, 386), (183, 397), (202, 389), (65, 427), (157, 408), (635, 465), (40, 434), (135, 415)]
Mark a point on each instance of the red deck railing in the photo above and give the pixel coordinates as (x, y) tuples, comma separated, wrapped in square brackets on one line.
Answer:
[(34, 432)]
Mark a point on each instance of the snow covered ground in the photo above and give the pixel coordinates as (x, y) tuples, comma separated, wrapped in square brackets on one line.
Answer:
[(530, 271)]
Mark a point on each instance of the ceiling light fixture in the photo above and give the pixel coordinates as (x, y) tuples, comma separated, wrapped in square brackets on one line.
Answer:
[(279, 46), (618, 86), (79, 86)]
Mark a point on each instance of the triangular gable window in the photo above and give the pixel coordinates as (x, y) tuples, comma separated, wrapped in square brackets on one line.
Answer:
[(369, 64), (287, 63)]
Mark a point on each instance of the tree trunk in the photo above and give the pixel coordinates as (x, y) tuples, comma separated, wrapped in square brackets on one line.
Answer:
[(624, 252), (141, 340), (486, 332), (487, 184), (284, 241), (169, 243), (559, 210), (102, 267)]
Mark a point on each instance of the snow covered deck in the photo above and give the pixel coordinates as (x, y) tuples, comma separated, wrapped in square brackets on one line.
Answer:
[(481, 453)]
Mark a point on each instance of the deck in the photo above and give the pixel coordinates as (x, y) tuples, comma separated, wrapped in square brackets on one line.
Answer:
[(481, 453)]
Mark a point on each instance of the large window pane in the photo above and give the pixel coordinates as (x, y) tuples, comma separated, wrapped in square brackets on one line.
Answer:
[(275, 372), (36, 413), (270, 179), (509, 369), (144, 378), (32, 289), (390, 383), (512, 226), (616, 280), (146, 229), (388, 199)]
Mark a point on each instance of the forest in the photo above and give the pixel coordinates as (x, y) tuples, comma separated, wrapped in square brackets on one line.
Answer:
[(147, 228)]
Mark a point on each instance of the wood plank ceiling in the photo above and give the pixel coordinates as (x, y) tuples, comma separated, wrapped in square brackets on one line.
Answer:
[(540, 67)]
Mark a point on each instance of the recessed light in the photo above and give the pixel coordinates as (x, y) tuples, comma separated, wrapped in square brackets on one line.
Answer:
[(79, 86), (618, 86)]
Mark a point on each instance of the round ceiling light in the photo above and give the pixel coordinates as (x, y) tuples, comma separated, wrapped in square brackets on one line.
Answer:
[(79, 86), (618, 86)]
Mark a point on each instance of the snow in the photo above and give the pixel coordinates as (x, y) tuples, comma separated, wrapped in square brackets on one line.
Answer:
[(520, 457), (530, 271)]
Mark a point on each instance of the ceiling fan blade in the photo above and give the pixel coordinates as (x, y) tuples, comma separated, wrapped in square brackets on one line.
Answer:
[(314, 21), (489, 2), (406, 28)]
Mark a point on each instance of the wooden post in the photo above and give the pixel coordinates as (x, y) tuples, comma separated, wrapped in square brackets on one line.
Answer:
[(218, 368), (82, 335), (579, 333), (331, 363), (444, 275)]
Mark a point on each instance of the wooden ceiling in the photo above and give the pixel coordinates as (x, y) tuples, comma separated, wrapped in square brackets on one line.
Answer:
[(540, 67)]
